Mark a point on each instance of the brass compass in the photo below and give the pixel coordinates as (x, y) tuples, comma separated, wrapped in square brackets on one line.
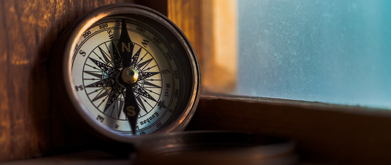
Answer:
[(127, 73), (126, 70)]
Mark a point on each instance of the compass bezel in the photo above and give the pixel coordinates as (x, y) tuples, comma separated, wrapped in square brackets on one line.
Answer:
[(62, 80)]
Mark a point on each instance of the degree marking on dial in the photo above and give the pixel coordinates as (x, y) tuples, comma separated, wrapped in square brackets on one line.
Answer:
[(145, 43)]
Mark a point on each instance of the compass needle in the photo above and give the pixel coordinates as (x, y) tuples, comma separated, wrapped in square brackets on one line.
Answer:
[(125, 46), (131, 108)]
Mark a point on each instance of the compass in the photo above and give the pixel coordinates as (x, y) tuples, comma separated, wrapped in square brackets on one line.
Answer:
[(125, 71)]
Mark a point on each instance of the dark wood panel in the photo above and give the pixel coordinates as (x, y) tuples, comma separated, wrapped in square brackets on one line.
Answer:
[(30, 124), (91, 157), (158, 5), (325, 133)]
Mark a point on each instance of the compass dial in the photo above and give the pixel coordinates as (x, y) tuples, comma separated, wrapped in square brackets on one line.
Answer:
[(100, 79), (98, 72), (128, 71)]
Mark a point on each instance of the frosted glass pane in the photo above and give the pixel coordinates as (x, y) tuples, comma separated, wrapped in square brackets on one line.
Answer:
[(333, 51)]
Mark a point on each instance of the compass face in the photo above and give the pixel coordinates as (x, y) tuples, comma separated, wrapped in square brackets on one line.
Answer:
[(130, 72)]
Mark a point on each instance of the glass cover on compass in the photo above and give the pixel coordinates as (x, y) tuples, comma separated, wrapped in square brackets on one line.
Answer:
[(132, 74)]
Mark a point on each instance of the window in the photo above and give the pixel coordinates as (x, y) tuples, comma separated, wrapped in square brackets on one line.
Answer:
[(319, 51), (324, 132), (327, 51)]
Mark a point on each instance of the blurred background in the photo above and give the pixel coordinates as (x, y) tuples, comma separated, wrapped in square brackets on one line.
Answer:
[(323, 51)]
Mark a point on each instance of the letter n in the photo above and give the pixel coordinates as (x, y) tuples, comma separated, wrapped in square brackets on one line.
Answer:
[(127, 47)]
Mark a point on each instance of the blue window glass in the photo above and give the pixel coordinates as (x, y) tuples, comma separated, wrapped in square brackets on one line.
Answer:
[(332, 51)]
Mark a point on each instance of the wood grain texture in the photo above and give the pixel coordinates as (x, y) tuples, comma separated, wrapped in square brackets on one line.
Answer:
[(187, 15), (325, 133), (30, 124), (210, 26), (219, 45)]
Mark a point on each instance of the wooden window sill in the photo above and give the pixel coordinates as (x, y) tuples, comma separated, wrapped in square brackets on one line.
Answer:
[(323, 132)]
